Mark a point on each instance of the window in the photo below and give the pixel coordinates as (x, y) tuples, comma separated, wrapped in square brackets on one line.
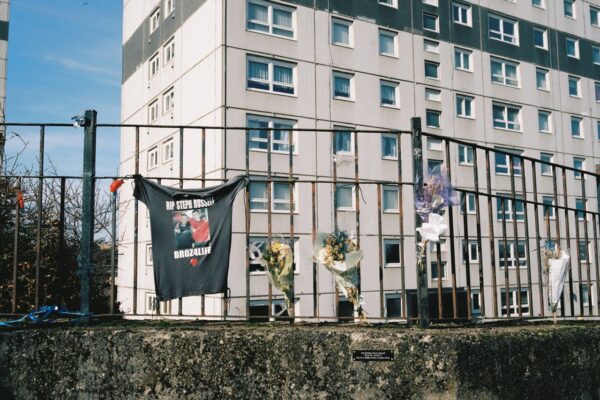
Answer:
[(462, 59), (508, 208), (470, 251), (152, 158), (580, 206), (464, 106), (503, 29), (569, 8), (153, 111), (461, 14), (270, 18), (598, 130), (344, 197), (597, 91), (594, 14), (149, 259), (544, 121), (475, 303), (390, 199), (389, 94), (546, 168), (391, 3), (155, 20), (430, 22), (513, 306), (576, 130), (153, 66), (433, 3), (270, 76), (169, 51), (583, 251), (504, 72), (389, 147), (573, 86), (585, 295), (431, 46), (342, 85), (434, 144), (341, 31), (387, 43), (578, 163), (434, 245), (168, 149), (343, 141), (465, 155), (168, 98), (541, 78), (538, 3), (435, 272), (540, 38), (258, 135), (391, 252), (572, 46), (596, 55), (393, 305), (169, 7), (548, 208), (434, 166), (432, 70), (510, 259), (259, 310), (502, 162), (433, 94), (433, 118), (280, 196), (468, 199), (506, 117)]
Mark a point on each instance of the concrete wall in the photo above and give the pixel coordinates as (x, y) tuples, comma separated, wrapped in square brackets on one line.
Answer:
[(292, 362)]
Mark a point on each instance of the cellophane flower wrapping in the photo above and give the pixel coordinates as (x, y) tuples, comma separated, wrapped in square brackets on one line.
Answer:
[(341, 256), (278, 261), (558, 268)]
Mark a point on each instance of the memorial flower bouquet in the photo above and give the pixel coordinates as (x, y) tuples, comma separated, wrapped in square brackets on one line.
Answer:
[(556, 266), (340, 255), (278, 261), (435, 193)]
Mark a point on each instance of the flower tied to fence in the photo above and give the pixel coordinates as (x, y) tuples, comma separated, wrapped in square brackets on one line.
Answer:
[(340, 255), (556, 266), (435, 193)]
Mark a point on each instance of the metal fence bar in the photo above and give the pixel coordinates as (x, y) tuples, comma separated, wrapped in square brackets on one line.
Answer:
[(491, 233), (595, 218), (451, 223), (568, 237), (482, 302), (514, 217), (506, 260), (579, 256), (315, 274), (203, 183), (113, 251), (557, 224), (466, 257), (357, 207), (247, 222), (587, 246), (38, 238), (404, 296), (291, 188), (538, 238), (181, 159), (269, 212), (527, 238), (335, 208), (380, 251), (16, 246), (136, 209)]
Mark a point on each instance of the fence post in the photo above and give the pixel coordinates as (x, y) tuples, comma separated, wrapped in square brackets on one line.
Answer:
[(87, 212), (422, 284)]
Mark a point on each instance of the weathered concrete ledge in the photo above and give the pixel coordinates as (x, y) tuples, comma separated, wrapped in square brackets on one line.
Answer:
[(134, 360)]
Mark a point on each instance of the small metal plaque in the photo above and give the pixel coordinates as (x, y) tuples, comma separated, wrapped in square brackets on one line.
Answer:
[(373, 355)]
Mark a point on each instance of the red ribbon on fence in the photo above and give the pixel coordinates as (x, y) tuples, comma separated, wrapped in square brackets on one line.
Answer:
[(20, 200), (115, 185)]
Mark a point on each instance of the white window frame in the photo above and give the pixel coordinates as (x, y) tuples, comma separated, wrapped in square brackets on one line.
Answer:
[(169, 7), (344, 130), (518, 169), (393, 296), (597, 50), (503, 79), (550, 206), (577, 80), (270, 25), (597, 91), (461, 103), (346, 23), (460, 55), (595, 10), (271, 124), (582, 211), (544, 166), (575, 47), (384, 137), (390, 188), (352, 195), (152, 157), (149, 257), (153, 111), (541, 5), (391, 241), (271, 64), (274, 200), (513, 306), (432, 94), (546, 73), (433, 3), (573, 12), (168, 150), (466, 157), (434, 144), (389, 3), (504, 37), (467, 197), (154, 20), (461, 6), (548, 115), (392, 35), (506, 122), (433, 263), (581, 161), (580, 134), (431, 46), (512, 260), (544, 33), (436, 19), (437, 65), (438, 113), (169, 51), (168, 100), (153, 65), (344, 75), (396, 88), (472, 248)]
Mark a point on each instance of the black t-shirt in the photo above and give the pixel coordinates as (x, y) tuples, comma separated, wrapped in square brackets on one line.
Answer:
[(191, 236)]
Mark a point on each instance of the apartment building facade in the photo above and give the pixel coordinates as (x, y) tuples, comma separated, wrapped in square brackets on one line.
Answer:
[(522, 76)]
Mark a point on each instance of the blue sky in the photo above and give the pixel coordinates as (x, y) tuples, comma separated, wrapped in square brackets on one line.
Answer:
[(64, 56)]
